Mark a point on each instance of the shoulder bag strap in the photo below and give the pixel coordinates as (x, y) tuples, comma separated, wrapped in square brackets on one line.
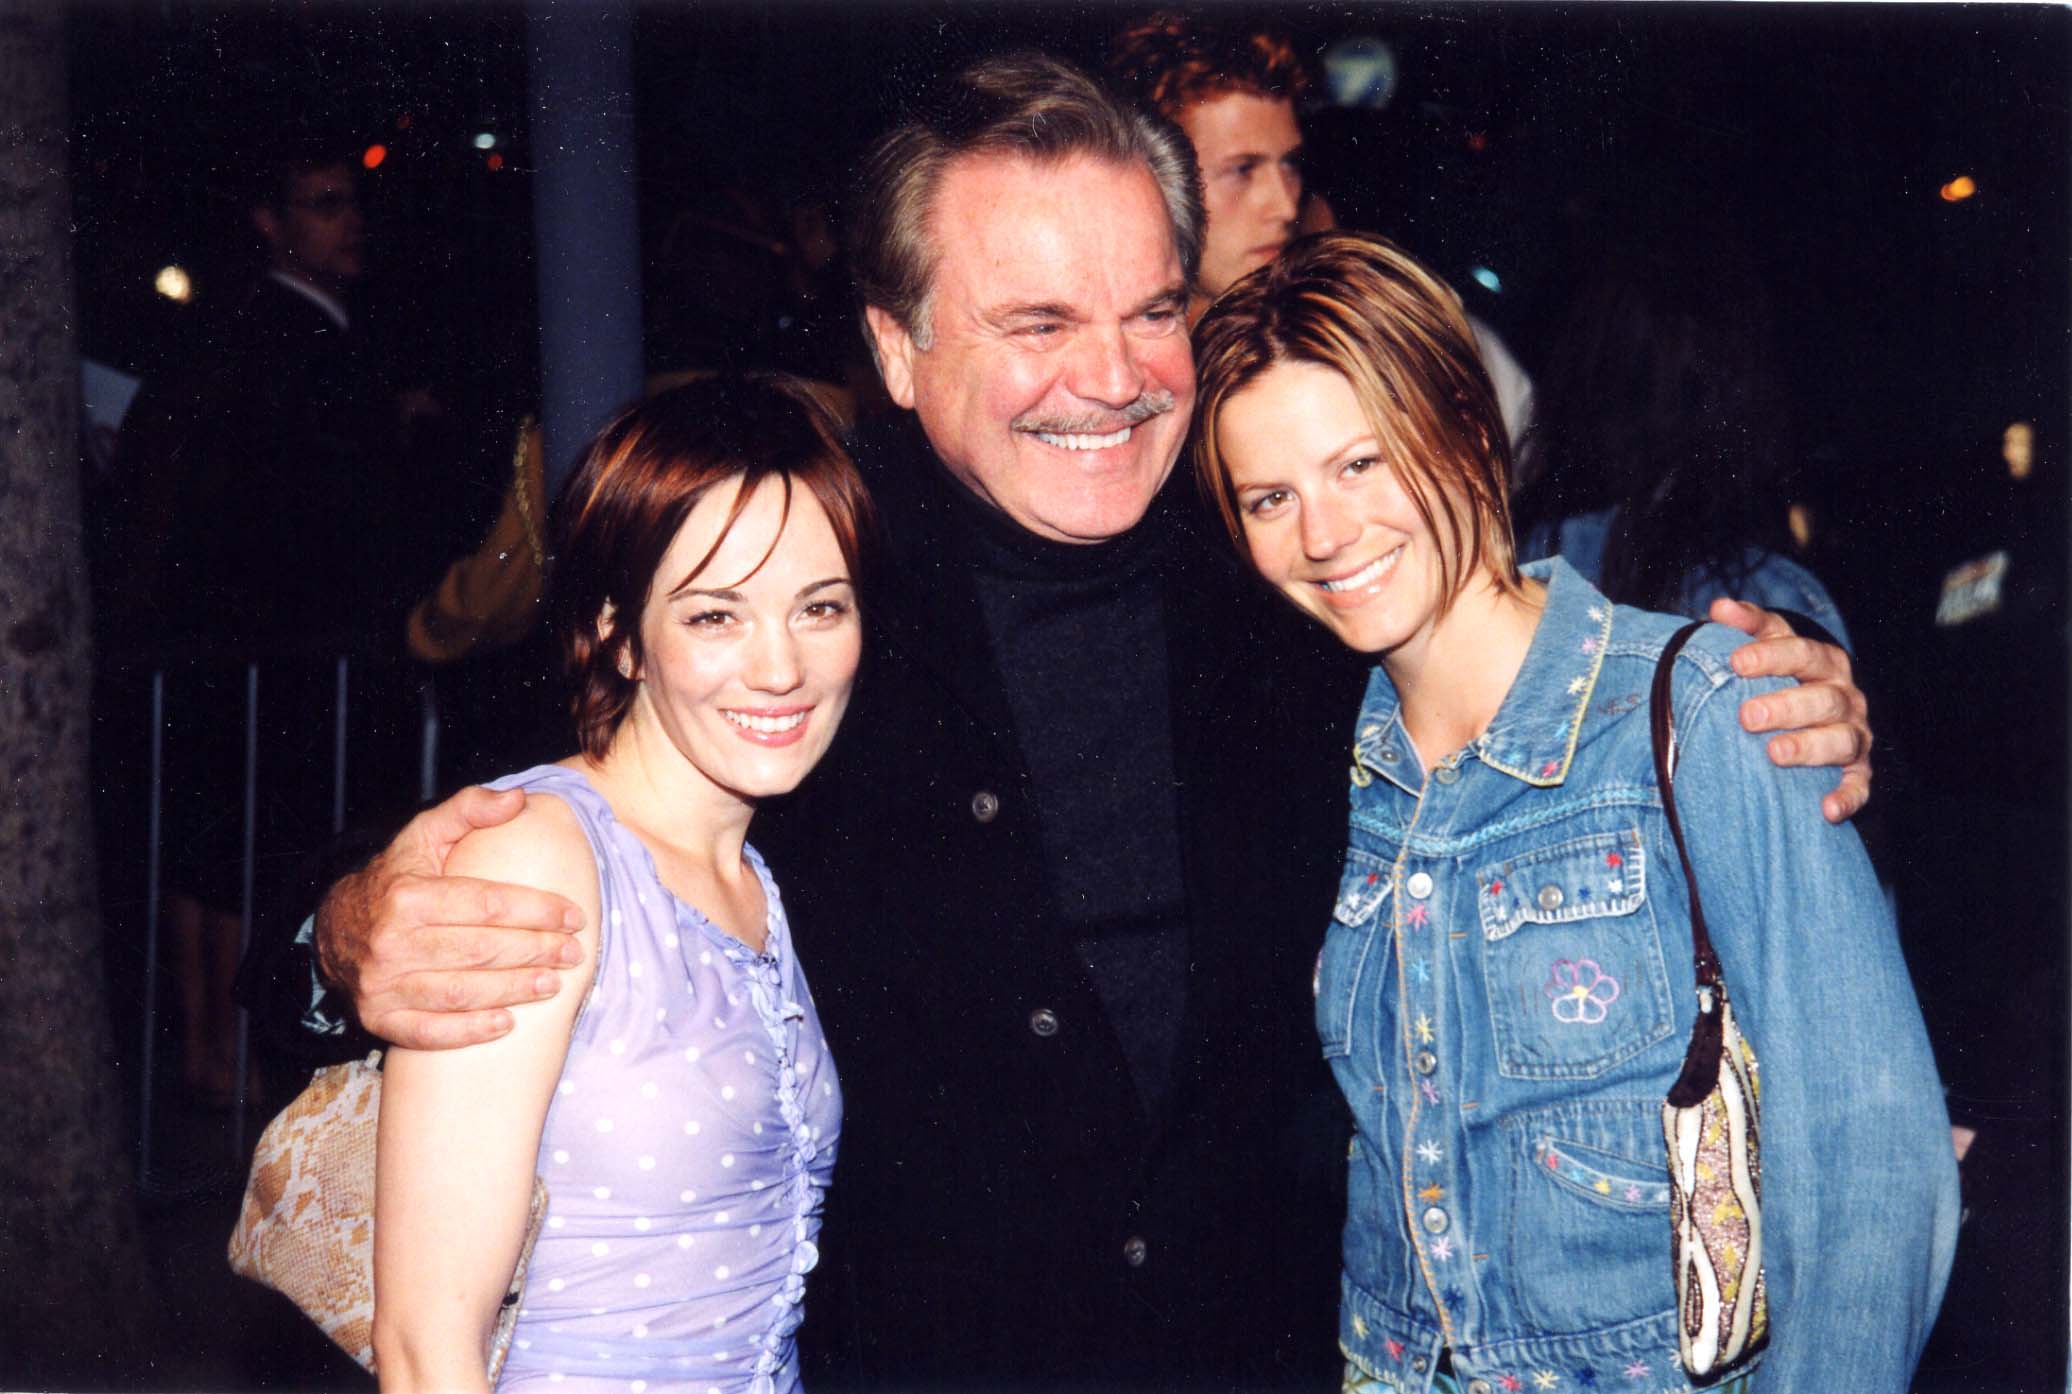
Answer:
[(1660, 720)]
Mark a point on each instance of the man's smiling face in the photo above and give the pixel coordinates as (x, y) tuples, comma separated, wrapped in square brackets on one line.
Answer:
[(1057, 380)]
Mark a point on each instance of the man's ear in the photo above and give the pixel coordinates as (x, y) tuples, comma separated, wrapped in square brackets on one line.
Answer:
[(894, 348)]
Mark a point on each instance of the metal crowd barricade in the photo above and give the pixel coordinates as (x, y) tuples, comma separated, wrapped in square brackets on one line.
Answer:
[(165, 717)]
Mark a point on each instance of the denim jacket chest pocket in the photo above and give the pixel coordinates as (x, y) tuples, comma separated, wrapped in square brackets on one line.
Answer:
[(1351, 948), (1571, 956)]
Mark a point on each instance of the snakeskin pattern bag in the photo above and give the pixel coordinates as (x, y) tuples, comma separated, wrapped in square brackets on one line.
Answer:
[(307, 1227), (1710, 1122)]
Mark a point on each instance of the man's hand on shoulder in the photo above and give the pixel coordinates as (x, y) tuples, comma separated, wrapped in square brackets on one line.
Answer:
[(1824, 720), (432, 961)]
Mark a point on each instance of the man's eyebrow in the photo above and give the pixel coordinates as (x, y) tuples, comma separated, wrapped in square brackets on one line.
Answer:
[(1030, 309)]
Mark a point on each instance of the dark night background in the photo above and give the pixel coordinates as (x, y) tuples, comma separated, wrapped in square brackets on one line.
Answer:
[(1914, 329)]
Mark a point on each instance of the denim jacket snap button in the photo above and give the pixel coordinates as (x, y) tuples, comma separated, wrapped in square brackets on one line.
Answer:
[(1388, 755), (985, 805), (1044, 1022), (1479, 1386), (1135, 1250), (1446, 774), (1425, 1061), (1550, 897), (1435, 1220), (1421, 1363), (1419, 885)]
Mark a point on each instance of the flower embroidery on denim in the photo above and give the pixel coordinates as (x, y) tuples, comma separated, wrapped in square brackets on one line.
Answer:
[(1545, 1379), (1421, 970), (1442, 1248), (1417, 915), (1430, 1090), (1394, 1347), (1581, 991), (1639, 1369), (1428, 1151), (1511, 1383), (1423, 1026)]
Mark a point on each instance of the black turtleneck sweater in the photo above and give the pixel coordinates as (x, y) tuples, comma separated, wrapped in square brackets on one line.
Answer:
[(1078, 631)]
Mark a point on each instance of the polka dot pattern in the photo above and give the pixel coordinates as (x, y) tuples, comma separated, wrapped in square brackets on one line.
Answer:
[(686, 1153)]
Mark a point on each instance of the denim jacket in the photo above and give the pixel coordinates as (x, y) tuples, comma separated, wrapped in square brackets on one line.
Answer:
[(1773, 580), (1506, 992)]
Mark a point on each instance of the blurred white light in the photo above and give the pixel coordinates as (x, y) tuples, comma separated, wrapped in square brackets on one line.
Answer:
[(174, 284), (485, 140), (1360, 73), (1487, 279)]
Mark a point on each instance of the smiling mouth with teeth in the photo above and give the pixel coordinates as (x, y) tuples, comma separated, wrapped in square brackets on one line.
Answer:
[(766, 725), (1083, 442), (1366, 576)]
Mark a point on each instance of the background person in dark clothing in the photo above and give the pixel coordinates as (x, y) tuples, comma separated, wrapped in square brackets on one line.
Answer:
[(264, 520), (1063, 877)]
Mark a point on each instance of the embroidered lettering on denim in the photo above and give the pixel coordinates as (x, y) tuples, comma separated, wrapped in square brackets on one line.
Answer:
[(1581, 992)]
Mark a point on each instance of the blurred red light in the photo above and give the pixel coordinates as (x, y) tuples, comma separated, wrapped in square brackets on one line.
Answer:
[(374, 156), (495, 161)]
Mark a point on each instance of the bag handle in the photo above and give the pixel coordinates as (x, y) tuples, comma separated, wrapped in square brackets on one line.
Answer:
[(1701, 1062)]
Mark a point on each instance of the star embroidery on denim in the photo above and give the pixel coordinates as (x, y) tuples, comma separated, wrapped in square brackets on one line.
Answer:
[(1603, 1186), (1431, 1192), (1587, 1377), (1417, 915), (1359, 1327), (1451, 1297), (1545, 1379), (1442, 1249), (1550, 769), (1614, 860), (1639, 1369), (1511, 1383), (1431, 1091), (1428, 1151), (1597, 613), (1590, 643), (1496, 888), (1394, 1347), (1632, 1197), (1421, 971), (1423, 1026), (1577, 684)]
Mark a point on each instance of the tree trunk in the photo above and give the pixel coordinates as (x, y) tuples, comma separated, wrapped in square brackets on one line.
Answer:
[(73, 1282)]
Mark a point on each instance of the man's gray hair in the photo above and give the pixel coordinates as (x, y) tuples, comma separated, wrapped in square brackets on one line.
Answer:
[(1025, 104)]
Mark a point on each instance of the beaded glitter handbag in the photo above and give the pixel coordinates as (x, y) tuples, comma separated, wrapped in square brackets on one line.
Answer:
[(1711, 1124)]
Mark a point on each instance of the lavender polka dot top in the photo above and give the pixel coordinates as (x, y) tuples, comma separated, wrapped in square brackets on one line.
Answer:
[(686, 1151)]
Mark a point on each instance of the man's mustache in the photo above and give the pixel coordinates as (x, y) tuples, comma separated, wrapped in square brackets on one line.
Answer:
[(1153, 403)]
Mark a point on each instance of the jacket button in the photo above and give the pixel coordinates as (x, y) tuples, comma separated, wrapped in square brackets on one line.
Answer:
[(1388, 755), (1446, 774), (1419, 885), (1135, 1251), (1550, 897), (1421, 1363), (985, 805), (1426, 1062), (1434, 1220), (1479, 1386), (1044, 1022)]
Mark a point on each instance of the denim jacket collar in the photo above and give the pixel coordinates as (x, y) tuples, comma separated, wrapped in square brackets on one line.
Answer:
[(1533, 735)]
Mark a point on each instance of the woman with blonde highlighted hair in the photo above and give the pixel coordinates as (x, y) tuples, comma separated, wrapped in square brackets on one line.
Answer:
[(1506, 989)]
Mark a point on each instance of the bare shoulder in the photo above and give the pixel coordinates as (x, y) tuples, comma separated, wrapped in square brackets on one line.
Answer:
[(544, 847)]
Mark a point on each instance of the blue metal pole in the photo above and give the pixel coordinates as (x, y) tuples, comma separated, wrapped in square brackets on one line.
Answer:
[(586, 230)]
